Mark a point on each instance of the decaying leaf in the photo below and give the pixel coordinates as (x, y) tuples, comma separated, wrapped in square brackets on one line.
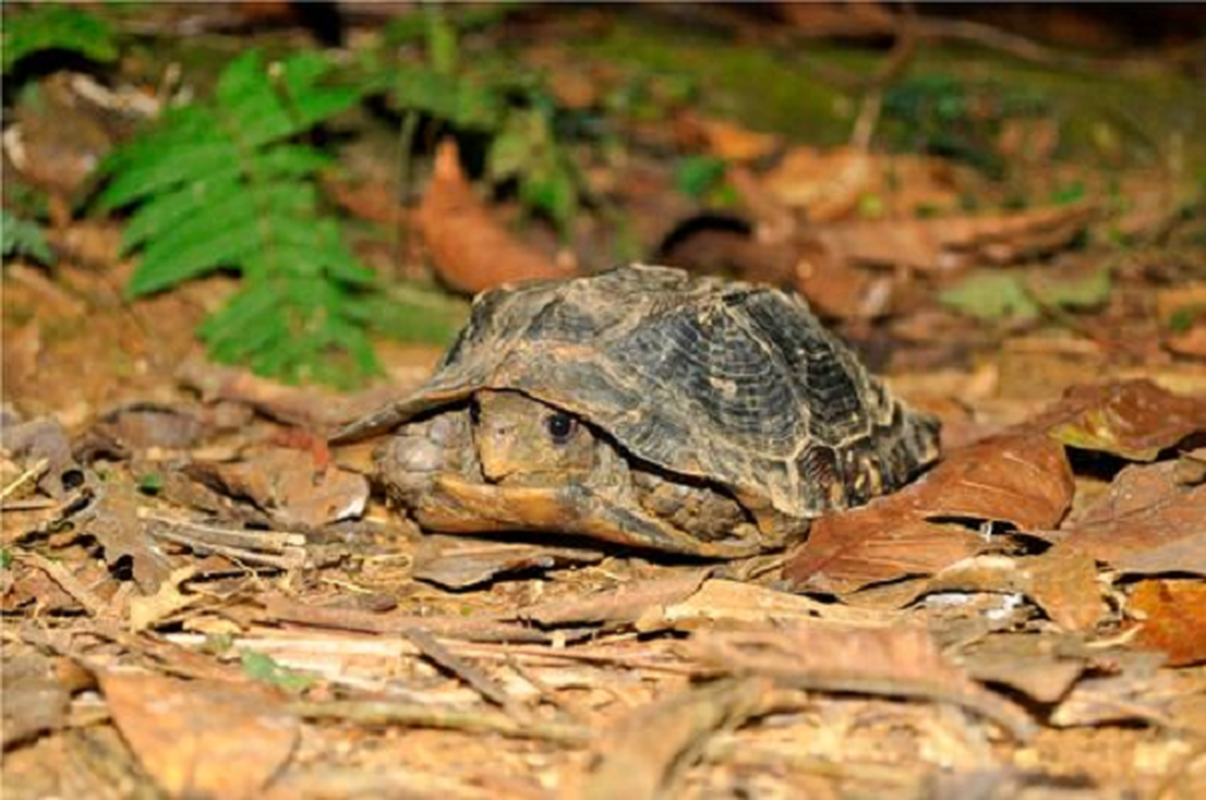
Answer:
[(113, 519), (1033, 664), (1173, 616), (1147, 523), (1062, 582), (457, 563), (201, 738), (470, 250), (622, 606), (1021, 478), (34, 700), (644, 754), (832, 184), (951, 243), (817, 655), (1135, 419), (290, 485)]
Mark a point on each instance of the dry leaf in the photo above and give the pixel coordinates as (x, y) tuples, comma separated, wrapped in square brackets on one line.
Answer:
[(736, 603), (1029, 663), (1021, 478), (200, 739), (829, 185), (470, 249), (1135, 420), (644, 754), (622, 606), (1147, 523), (34, 699), (951, 243), (818, 655), (292, 486), (456, 563), (1173, 615)]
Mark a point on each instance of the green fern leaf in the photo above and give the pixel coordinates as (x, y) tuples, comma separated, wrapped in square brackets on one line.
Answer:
[(185, 164), (53, 27), (20, 236), (224, 185)]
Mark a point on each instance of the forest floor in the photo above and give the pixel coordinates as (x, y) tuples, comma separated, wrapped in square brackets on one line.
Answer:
[(200, 598)]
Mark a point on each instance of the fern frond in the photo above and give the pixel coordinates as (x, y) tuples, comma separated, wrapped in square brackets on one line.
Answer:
[(226, 185), (52, 27), (20, 236)]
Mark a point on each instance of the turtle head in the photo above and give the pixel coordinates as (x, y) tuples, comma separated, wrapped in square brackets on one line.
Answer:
[(524, 441)]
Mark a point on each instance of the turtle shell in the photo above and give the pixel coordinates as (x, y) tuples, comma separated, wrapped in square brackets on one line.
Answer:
[(728, 382)]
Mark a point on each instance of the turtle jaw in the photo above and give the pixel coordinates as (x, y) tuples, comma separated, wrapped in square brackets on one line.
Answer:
[(456, 505)]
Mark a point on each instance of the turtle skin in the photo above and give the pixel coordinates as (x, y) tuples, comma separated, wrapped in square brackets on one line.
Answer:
[(726, 415)]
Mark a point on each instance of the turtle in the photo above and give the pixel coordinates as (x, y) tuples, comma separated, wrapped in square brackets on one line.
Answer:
[(649, 407)]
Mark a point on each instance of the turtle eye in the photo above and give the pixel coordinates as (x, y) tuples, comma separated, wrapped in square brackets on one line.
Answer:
[(561, 427)]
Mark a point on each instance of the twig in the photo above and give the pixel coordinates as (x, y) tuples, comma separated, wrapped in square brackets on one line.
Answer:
[(34, 472), (482, 683), (68, 582), (275, 549), (377, 712)]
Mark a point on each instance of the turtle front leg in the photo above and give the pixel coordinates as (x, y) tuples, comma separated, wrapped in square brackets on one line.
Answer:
[(457, 505)]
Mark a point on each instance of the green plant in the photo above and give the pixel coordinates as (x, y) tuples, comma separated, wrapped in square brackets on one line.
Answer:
[(510, 108), (49, 26), (22, 237), (229, 185), (958, 119)]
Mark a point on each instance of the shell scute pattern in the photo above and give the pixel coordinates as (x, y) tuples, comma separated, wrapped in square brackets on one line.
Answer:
[(725, 382)]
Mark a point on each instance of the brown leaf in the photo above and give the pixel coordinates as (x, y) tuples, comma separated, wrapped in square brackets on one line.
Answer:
[(455, 563), (34, 699), (1147, 523), (818, 655), (642, 755), (1062, 582), (1029, 663), (950, 243), (470, 250), (201, 739), (290, 485), (624, 605), (1173, 614), (1136, 419), (1020, 477), (830, 185)]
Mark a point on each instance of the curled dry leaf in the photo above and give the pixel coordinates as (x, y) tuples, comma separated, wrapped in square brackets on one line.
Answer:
[(1021, 478), (293, 487), (201, 739), (470, 249), (818, 655), (1135, 419), (456, 563), (951, 243), (1173, 616), (1147, 523), (829, 185)]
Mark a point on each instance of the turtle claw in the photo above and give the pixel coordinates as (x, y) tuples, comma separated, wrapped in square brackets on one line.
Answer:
[(457, 505)]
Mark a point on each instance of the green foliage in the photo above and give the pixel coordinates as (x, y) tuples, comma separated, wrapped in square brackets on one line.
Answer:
[(996, 295), (260, 667), (49, 26), (150, 483), (991, 296), (22, 237), (6, 558), (228, 185), (512, 109), (946, 116), (696, 176)]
